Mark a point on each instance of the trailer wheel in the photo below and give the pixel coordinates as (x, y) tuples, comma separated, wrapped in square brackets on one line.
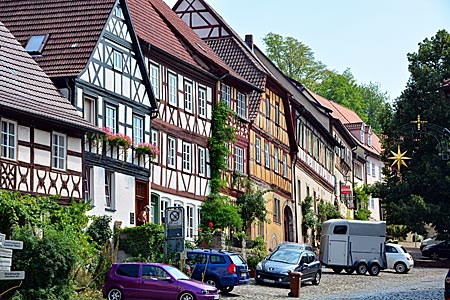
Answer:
[(361, 268), (337, 270), (374, 269)]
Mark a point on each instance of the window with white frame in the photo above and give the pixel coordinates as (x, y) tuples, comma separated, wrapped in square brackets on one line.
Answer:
[(188, 96), (108, 190), (8, 139), (201, 161), (373, 169), (173, 94), (190, 217), (369, 139), (226, 94), (89, 109), (187, 148), (241, 108), (154, 140), (87, 184), (380, 173), (154, 79), (199, 215), (202, 102), (171, 151), (266, 155), (276, 210), (138, 130), (275, 158), (258, 149), (58, 151), (111, 118), (361, 133), (118, 12), (164, 204), (117, 60), (368, 168), (285, 166), (239, 159)]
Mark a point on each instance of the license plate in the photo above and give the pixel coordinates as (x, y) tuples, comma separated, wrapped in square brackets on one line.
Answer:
[(269, 280), (216, 297)]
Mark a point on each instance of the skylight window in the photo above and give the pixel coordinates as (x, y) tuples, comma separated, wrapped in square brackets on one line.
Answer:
[(36, 43)]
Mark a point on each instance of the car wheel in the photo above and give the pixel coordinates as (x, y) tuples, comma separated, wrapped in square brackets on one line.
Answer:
[(227, 289), (400, 267), (186, 296), (349, 270), (337, 270), (374, 269), (317, 278), (115, 294), (361, 268), (434, 256), (212, 281)]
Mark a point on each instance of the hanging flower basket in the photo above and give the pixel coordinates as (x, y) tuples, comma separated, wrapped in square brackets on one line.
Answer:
[(146, 148), (117, 139)]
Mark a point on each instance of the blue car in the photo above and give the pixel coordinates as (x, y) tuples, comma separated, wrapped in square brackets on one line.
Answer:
[(222, 269)]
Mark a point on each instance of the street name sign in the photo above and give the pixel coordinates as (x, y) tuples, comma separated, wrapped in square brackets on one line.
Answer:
[(11, 244), (12, 275), (5, 252), (5, 261), (7, 269)]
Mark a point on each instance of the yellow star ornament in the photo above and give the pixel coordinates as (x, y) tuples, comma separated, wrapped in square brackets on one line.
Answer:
[(399, 158)]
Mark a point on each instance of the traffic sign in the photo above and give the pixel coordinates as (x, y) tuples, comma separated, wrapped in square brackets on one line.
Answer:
[(5, 252), (5, 261), (11, 244), (12, 275)]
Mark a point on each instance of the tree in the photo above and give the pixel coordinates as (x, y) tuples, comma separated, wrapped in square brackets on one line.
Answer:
[(294, 59), (362, 194), (252, 204), (419, 194), (309, 218)]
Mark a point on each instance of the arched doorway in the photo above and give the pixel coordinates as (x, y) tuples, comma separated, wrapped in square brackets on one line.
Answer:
[(288, 225)]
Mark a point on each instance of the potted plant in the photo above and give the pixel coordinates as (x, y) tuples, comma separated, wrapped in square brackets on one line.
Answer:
[(117, 139), (146, 149)]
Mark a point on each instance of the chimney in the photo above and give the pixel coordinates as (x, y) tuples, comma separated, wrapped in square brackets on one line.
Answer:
[(249, 40)]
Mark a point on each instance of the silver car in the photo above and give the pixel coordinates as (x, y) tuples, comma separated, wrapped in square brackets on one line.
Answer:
[(398, 258)]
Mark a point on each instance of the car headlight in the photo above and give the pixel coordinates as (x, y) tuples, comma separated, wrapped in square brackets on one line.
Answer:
[(259, 266)]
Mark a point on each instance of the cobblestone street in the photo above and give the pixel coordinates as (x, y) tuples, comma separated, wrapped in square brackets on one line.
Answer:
[(424, 282)]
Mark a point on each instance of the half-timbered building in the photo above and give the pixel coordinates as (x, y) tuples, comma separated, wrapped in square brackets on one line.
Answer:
[(90, 51), (269, 151), (41, 144), (188, 78)]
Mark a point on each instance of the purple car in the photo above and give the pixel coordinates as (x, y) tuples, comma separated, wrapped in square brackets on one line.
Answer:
[(153, 281)]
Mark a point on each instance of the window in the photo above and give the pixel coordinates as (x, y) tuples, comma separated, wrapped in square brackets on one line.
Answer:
[(340, 229), (201, 161), (275, 154), (59, 151), (138, 130), (258, 149), (260, 228), (128, 270), (202, 102), (190, 221), (173, 99), (277, 114), (110, 118), (368, 168), (217, 259), (118, 12), (276, 211), (266, 155), (187, 157), (369, 140), (165, 203), (36, 43), (171, 148), (117, 60), (87, 184), (154, 79), (188, 96), (285, 166), (267, 107), (226, 94), (108, 190), (372, 203), (380, 173), (373, 169), (241, 105), (89, 109), (239, 159), (8, 139), (361, 133)]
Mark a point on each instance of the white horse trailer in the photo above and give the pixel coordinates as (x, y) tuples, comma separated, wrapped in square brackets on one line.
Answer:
[(353, 245)]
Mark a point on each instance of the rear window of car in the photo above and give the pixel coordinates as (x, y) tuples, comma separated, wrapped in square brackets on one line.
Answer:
[(128, 270), (237, 259)]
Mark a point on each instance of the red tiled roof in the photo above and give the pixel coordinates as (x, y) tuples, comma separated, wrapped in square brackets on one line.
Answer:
[(74, 28), (25, 87)]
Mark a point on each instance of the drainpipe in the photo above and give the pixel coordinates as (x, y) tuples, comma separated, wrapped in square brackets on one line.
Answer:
[(294, 198)]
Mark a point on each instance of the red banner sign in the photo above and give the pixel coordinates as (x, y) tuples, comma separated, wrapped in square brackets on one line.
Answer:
[(345, 190)]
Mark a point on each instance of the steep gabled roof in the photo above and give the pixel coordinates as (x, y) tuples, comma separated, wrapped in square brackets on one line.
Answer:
[(24, 87), (74, 27)]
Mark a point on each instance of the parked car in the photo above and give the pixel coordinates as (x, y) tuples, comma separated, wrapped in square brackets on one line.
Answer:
[(275, 268), (292, 245), (398, 258), (222, 269), (430, 241), (153, 281), (447, 286), (436, 251)]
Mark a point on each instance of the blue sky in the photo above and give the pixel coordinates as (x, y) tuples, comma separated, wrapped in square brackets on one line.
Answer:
[(371, 37)]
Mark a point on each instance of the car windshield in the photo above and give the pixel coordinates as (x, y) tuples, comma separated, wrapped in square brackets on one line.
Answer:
[(177, 274), (237, 259), (285, 256)]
